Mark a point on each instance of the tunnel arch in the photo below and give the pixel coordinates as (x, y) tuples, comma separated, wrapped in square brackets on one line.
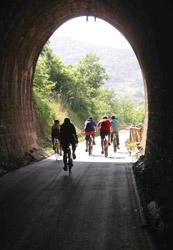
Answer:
[(27, 28), (84, 32)]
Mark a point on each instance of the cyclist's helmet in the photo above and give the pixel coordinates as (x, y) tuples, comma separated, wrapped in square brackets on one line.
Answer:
[(56, 121), (90, 118)]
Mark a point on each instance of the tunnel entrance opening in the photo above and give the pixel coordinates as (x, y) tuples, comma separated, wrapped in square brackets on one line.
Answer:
[(104, 41)]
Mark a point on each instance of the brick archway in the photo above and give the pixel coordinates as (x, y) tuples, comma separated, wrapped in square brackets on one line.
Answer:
[(26, 26)]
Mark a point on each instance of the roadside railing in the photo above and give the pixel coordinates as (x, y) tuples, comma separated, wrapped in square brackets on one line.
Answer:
[(136, 133)]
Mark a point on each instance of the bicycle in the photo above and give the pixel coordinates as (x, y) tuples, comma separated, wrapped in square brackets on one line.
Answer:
[(105, 147), (57, 148), (114, 140), (68, 161), (90, 145)]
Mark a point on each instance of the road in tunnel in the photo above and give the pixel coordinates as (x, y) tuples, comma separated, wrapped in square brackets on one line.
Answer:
[(96, 207)]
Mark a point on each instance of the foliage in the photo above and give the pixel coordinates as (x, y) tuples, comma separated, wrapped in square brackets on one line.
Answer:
[(139, 114), (42, 89), (127, 113), (121, 65), (80, 90), (130, 145)]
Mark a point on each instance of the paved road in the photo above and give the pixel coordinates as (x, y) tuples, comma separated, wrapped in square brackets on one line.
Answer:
[(96, 208)]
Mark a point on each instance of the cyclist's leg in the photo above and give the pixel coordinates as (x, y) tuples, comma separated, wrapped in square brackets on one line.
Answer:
[(102, 134), (114, 142), (60, 146), (53, 142), (73, 143), (106, 142), (118, 142), (112, 133), (94, 136), (109, 138), (86, 145)]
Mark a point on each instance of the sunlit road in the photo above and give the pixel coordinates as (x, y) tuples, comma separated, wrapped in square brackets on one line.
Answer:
[(95, 208)]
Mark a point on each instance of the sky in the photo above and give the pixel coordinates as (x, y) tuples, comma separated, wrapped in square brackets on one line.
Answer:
[(97, 33)]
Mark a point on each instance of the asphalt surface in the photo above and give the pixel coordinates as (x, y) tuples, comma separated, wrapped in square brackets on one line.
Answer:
[(95, 208)]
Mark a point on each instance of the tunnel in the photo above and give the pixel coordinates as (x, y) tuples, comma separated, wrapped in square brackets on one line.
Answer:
[(25, 27)]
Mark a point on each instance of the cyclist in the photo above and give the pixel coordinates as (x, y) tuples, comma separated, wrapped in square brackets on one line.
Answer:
[(55, 133), (68, 136), (116, 127), (90, 129), (105, 127)]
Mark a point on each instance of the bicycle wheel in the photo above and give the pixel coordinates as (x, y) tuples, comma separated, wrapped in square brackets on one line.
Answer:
[(57, 150), (115, 143), (90, 146), (70, 161), (70, 165), (106, 147)]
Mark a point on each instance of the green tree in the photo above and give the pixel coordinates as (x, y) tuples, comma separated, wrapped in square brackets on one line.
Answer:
[(139, 114), (42, 90), (42, 86), (90, 76), (126, 112), (91, 72)]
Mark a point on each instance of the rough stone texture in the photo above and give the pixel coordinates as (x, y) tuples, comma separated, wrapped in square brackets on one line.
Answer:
[(29, 156), (25, 26), (155, 191)]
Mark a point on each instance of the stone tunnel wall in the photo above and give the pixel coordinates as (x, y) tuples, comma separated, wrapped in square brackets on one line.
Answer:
[(25, 26)]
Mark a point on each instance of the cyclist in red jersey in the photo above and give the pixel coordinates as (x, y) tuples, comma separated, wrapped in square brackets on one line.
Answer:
[(105, 127)]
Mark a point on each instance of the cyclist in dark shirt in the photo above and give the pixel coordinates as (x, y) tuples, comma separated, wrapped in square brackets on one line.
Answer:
[(68, 136), (90, 129)]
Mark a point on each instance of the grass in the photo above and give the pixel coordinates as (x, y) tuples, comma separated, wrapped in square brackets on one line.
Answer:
[(47, 145), (130, 145), (60, 111), (63, 111)]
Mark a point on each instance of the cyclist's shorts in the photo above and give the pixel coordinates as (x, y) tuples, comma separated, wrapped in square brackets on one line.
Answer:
[(87, 134), (57, 136), (66, 144), (103, 134)]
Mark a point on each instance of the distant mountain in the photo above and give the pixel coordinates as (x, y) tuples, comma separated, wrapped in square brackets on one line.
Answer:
[(121, 65)]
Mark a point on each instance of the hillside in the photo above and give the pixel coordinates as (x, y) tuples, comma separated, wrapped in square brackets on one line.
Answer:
[(120, 64)]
